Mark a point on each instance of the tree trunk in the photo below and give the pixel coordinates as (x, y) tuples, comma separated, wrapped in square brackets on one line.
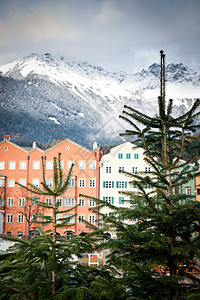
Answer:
[(54, 247)]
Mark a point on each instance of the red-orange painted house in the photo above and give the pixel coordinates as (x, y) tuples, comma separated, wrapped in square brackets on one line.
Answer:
[(23, 165), (197, 184)]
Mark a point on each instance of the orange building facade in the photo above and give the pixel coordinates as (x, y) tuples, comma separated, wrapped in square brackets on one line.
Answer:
[(197, 184), (23, 165)]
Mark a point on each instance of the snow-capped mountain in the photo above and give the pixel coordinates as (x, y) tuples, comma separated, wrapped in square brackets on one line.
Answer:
[(77, 100)]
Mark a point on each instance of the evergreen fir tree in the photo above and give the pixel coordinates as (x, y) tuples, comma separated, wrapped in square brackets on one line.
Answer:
[(154, 253), (46, 266)]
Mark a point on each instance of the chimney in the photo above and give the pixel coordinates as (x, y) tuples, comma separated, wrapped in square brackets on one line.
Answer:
[(34, 144), (95, 146), (7, 137)]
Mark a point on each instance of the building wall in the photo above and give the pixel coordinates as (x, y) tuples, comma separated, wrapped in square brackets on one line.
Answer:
[(197, 184), (111, 181), (187, 188), (12, 156), (131, 159)]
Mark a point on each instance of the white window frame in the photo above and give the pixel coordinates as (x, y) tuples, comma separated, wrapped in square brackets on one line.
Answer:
[(108, 169), (108, 184), (12, 165), (2, 165), (81, 183), (2, 182), (10, 201), (188, 190), (11, 182), (81, 202), (92, 164), (69, 201), (59, 201), (48, 201), (69, 164), (49, 165), (108, 199), (36, 182), (72, 182), (22, 181), (20, 218), (36, 165), (9, 218), (21, 201), (134, 170), (49, 182), (121, 168), (58, 218), (92, 203), (91, 219), (22, 164), (121, 184), (81, 164), (81, 219), (92, 183), (72, 220)]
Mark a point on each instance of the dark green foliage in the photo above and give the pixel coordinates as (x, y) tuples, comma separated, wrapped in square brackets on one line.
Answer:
[(47, 266), (154, 253)]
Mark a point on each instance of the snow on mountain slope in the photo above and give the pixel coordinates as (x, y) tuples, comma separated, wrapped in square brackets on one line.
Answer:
[(67, 93), (114, 87), (75, 75)]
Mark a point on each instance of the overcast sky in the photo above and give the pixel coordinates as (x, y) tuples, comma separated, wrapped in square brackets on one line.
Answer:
[(115, 34)]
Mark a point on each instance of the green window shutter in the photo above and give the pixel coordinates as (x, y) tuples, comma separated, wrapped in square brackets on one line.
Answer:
[(136, 155), (104, 198), (125, 184), (117, 184), (104, 184), (120, 200), (112, 184), (112, 200)]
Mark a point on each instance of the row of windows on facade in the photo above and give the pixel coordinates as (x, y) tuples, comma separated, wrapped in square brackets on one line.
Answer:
[(59, 217), (60, 201), (128, 156), (49, 164), (49, 182), (122, 184), (133, 169), (81, 201), (68, 235)]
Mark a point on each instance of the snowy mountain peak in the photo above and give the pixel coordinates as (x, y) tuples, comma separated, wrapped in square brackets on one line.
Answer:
[(58, 69), (155, 69), (75, 96), (85, 80)]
